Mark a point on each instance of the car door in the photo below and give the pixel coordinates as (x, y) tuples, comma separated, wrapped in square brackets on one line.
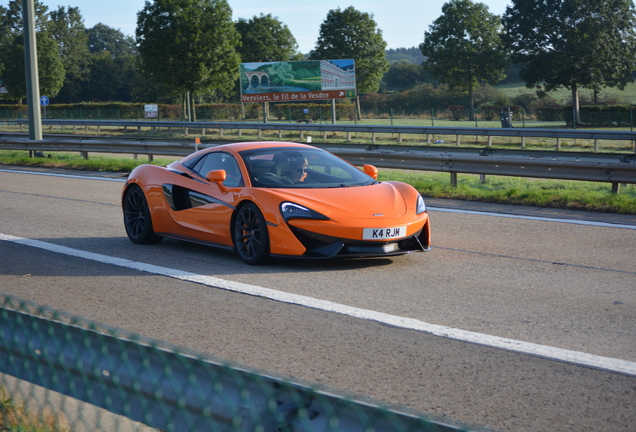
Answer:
[(202, 208)]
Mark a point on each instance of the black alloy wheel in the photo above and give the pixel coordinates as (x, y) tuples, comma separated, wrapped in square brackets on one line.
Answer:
[(137, 218), (250, 235)]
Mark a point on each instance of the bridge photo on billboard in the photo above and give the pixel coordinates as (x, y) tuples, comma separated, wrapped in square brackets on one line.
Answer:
[(296, 81)]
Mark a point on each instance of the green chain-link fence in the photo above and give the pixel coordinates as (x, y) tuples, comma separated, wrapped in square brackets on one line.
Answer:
[(485, 116), (62, 373)]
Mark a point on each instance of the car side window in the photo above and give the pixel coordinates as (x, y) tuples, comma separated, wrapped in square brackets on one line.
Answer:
[(220, 160)]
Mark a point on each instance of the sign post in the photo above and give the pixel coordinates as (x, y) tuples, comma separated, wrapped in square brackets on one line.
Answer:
[(31, 68)]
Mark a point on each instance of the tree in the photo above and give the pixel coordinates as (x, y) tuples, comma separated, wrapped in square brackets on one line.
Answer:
[(12, 21), (572, 43), (412, 55), (351, 34), (11, 24), (4, 37), (50, 68), (67, 29), (4, 30), (403, 75), (464, 47), (279, 73), (188, 45), (12, 51), (105, 38), (110, 78), (264, 38), (112, 73)]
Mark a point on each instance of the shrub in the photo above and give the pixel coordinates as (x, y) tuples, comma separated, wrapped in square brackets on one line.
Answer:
[(532, 103), (457, 112), (591, 115), (296, 111), (490, 112), (488, 95)]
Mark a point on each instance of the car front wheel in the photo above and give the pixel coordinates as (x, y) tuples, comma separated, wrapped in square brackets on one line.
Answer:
[(250, 235)]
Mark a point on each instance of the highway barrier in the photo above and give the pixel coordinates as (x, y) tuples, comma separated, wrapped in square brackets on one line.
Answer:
[(428, 132), (614, 168), (158, 385)]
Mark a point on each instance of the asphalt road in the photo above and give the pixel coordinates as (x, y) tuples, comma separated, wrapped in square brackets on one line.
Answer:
[(558, 285)]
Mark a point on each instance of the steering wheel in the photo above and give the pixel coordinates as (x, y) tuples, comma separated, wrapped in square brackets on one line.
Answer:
[(273, 179)]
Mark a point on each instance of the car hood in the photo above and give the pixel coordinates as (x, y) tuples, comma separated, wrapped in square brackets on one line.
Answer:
[(357, 202)]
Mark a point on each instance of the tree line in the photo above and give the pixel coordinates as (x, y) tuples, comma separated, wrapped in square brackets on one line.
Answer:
[(570, 44), (182, 49), (190, 50)]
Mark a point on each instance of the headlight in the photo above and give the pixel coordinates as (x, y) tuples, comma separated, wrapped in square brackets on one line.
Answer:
[(421, 205), (291, 210)]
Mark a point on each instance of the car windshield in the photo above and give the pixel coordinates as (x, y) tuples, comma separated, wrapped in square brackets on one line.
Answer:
[(285, 167)]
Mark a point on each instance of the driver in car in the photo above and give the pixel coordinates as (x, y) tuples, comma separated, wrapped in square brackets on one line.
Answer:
[(299, 167)]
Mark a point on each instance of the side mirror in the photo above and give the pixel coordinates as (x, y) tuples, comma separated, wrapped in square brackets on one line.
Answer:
[(218, 177), (371, 171)]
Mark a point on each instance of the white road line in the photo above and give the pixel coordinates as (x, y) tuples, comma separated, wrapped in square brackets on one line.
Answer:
[(537, 218), (573, 357), (83, 177)]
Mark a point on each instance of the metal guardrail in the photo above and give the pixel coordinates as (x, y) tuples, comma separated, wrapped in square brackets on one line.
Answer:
[(415, 130), (98, 145), (613, 168), (171, 391)]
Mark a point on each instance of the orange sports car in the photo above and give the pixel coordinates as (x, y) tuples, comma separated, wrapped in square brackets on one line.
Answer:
[(275, 199)]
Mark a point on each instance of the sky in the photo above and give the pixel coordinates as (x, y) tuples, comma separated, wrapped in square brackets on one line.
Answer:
[(402, 22)]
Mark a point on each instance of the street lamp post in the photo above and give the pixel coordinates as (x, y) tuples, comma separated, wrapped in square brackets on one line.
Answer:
[(31, 68)]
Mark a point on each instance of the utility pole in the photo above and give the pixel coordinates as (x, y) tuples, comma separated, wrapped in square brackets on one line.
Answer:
[(31, 68)]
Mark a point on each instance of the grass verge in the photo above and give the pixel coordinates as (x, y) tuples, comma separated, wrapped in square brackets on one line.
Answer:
[(590, 196), (566, 194), (15, 416), (97, 163)]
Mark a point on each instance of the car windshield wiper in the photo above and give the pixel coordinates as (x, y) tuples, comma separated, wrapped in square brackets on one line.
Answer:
[(340, 185)]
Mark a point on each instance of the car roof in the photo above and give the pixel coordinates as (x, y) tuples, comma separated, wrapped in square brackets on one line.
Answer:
[(260, 144), (239, 147)]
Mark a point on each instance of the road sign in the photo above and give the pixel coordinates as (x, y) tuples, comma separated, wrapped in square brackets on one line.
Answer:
[(151, 111), (44, 100)]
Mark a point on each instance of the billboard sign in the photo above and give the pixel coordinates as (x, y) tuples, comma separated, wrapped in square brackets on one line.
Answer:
[(296, 81)]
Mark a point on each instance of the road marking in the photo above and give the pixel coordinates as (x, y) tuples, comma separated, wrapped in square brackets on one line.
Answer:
[(537, 218), (552, 353), (59, 198), (534, 260), (83, 177)]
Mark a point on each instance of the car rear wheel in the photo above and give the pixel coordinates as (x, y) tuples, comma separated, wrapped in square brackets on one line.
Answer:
[(250, 235), (137, 218)]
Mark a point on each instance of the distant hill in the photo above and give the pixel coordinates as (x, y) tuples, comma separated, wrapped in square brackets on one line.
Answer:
[(413, 55)]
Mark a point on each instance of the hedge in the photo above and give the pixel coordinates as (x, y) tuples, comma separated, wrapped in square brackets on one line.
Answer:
[(227, 111), (591, 115)]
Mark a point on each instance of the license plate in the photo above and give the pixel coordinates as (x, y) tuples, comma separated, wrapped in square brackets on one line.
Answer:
[(383, 233)]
